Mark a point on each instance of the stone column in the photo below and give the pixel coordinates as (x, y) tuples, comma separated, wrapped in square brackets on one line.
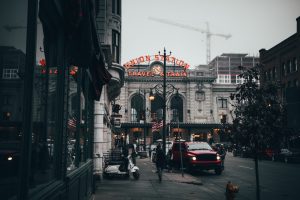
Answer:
[(98, 136)]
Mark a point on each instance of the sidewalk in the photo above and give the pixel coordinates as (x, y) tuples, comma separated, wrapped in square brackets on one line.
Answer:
[(173, 185)]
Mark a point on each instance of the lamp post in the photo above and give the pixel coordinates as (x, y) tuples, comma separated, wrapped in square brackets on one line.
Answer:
[(164, 105), (144, 116), (166, 90)]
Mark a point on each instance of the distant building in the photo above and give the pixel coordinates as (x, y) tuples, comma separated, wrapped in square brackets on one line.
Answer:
[(227, 67), (12, 64), (281, 64), (198, 112)]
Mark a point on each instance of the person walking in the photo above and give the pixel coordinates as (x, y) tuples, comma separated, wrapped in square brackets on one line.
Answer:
[(160, 161), (222, 152), (170, 160), (133, 156)]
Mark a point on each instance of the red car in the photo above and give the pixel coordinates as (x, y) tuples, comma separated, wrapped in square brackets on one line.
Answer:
[(196, 156)]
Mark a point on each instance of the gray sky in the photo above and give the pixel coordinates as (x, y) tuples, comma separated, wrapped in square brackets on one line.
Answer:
[(253, 24)]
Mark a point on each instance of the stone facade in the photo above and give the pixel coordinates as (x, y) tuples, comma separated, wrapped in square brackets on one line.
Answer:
[(108, 23), (204, 99)]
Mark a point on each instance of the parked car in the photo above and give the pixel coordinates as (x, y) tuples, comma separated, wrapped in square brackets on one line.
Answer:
[(9, 158), (289, 155), (196, 156), (243, 151), (225, 145)]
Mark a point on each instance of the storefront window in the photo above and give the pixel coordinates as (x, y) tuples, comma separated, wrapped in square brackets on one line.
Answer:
[(72, 122), (77, 131), (13, 23)]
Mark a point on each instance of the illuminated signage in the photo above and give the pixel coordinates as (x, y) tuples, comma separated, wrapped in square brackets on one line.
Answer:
[(149, 73), (156, 69), (53, 70), (148, 58)]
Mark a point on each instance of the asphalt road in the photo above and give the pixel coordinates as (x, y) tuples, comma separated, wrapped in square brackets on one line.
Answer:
[(278, 180)]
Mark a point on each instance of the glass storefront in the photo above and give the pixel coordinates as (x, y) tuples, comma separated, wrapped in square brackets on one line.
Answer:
[(46, 128), (13, 30)]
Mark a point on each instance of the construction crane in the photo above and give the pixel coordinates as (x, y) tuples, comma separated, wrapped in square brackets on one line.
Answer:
[(207, 32)]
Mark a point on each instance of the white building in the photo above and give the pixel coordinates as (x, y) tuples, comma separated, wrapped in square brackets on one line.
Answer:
[(203, 98)]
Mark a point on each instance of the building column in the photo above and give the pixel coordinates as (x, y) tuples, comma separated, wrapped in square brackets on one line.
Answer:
[(98, 137)]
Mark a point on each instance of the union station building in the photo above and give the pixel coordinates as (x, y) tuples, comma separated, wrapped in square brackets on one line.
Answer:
[(198, 104)]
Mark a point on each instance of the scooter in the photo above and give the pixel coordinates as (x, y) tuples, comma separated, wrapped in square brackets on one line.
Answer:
[(120, 169)]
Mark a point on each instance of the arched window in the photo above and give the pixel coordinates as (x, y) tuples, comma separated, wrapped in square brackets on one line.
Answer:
[(137, 108), (176, 109), (157, 107)]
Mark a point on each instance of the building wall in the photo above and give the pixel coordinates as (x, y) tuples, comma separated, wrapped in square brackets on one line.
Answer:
[(281, 62), (107, 21), (281, 65), (11, 90), (199, 112), (201, 91), (228, 64)]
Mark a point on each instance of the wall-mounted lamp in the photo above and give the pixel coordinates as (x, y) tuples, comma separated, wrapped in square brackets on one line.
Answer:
[(151, 96)]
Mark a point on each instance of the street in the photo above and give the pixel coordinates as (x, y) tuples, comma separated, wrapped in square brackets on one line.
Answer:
[(278, 181)]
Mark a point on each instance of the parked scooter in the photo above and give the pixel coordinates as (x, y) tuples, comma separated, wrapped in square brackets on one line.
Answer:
[(112, 170)]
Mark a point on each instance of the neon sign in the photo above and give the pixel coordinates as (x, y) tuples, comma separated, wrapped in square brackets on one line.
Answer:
[(42, 62), (149, 73), (148, 58), (156, 69)]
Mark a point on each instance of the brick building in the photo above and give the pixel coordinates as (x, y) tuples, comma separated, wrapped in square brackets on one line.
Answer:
[(281, 64)]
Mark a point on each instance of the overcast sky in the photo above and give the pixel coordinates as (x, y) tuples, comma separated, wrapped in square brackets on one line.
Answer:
[(253, 24)]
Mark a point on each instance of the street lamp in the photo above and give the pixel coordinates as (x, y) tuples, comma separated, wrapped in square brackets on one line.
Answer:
[(170, 89), (163, 89), (143, 118)]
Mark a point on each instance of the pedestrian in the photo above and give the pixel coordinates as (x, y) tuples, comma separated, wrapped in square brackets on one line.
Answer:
[(222, 153), (150, 152), (170, 160), (125, 157), (133, 156), (160, 161)]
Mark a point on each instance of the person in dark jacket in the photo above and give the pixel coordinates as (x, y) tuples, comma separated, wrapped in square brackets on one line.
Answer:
[(169, 160), (160, 157), (160, 161), (222, 152), (125, 154), (133, 156)]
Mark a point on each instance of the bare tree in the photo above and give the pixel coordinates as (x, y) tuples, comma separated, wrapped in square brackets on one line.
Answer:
[(259, 121)]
